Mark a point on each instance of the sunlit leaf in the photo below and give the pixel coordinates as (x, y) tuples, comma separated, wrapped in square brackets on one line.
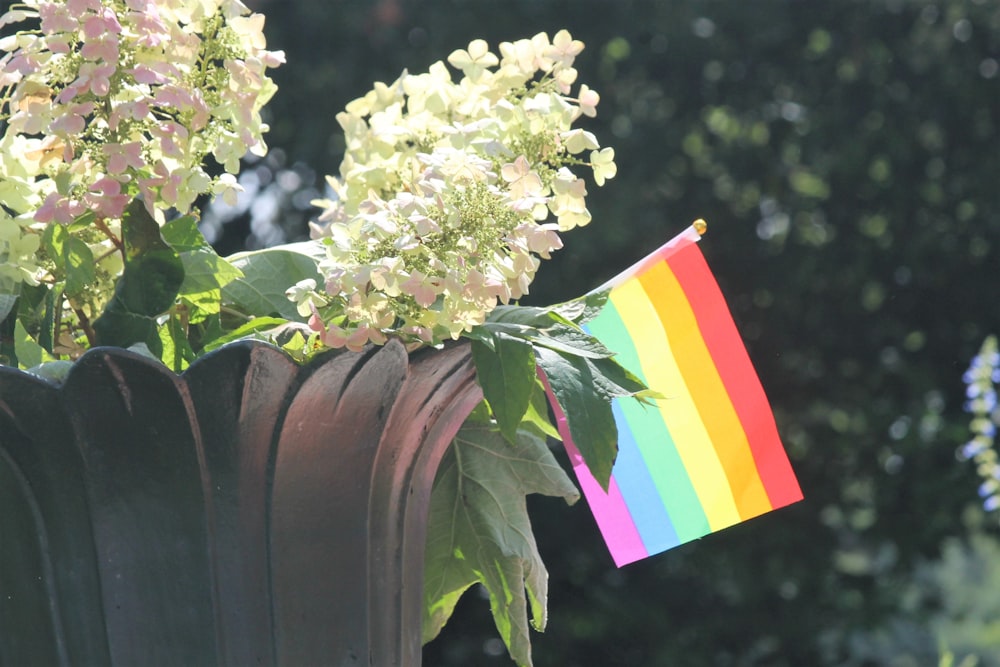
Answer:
[(266, 276), (583, 309), (72, 256), (205, 273), (29, 353), (506, 372), (478, 531), (588, 413), (147, 288)]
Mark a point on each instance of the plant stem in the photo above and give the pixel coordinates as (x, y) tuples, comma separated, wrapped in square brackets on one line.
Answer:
[(99, 223), (88, 330)]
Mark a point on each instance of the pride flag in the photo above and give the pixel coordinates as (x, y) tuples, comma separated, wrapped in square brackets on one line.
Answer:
[(708, 455)]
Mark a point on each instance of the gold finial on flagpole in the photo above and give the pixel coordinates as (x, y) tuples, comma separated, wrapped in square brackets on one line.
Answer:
[(700, 226)]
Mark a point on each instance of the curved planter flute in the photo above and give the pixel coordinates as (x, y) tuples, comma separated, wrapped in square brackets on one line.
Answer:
[(250, 511)]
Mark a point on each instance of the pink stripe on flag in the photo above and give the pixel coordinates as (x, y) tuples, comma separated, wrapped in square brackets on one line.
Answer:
[(609, 508)]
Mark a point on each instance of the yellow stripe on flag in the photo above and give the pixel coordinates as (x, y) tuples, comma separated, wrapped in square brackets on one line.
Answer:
[(678, 409), (710, 397)]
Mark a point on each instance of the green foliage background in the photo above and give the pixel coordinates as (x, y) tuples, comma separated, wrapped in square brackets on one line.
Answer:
[(846, 156)]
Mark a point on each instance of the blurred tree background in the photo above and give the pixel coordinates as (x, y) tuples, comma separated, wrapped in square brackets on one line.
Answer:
[(846, 156)]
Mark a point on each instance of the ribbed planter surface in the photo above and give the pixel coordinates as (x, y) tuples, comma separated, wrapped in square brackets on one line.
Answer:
[(250, 511)]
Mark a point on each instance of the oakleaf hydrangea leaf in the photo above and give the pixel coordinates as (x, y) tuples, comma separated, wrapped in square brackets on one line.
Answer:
[(478, 531)]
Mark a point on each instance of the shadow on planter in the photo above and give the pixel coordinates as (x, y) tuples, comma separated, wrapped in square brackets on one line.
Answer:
[(250, 511)]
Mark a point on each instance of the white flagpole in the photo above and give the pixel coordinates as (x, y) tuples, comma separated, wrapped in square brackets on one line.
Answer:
[(692, 234)]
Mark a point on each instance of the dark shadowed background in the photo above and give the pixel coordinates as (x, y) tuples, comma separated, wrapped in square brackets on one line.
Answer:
[(847, 158)]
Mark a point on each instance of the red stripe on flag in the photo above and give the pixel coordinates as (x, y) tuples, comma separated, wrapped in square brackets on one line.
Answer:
[(737, 372)]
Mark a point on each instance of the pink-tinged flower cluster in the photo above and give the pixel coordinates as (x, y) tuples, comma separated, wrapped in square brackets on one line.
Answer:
[(128, 97), (442, 209)]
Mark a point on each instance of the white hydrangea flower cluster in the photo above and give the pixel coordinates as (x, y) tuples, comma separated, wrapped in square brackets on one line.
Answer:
[(446, 190), (106, 100)]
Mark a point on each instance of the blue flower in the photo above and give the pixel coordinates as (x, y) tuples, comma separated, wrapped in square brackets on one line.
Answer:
[(971, 448), (981, 395)]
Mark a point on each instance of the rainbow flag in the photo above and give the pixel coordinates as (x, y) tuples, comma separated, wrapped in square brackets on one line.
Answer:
[(708, 455)]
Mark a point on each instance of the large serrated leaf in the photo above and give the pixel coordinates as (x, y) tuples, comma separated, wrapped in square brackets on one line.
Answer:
[(506, 373), (588, 413), (478, 531), (266, 276)]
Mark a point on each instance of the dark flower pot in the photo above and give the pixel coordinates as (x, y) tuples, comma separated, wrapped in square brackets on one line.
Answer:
[(247, 512)]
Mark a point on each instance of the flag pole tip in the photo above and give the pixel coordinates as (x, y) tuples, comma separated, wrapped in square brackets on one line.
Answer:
[(700, 226)]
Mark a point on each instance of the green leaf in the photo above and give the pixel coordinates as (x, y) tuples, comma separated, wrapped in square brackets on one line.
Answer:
[(206, 331), (119, 328), (53, 371), (147, 288), (52, 301), (140, 231), (248, 330), (183, 235), (588, 412), (614, 380), (71, 256), (82, 221), (301, 343), (536, 419), (204, 271), (8, 345), (480, 415), (7, 302), (29, 353), (177, 353), (571, 340), (478, 531), (266, 276), (150, 282), (506, 373), (585, 308), (576, 311), (566, 338), (529, 316)]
